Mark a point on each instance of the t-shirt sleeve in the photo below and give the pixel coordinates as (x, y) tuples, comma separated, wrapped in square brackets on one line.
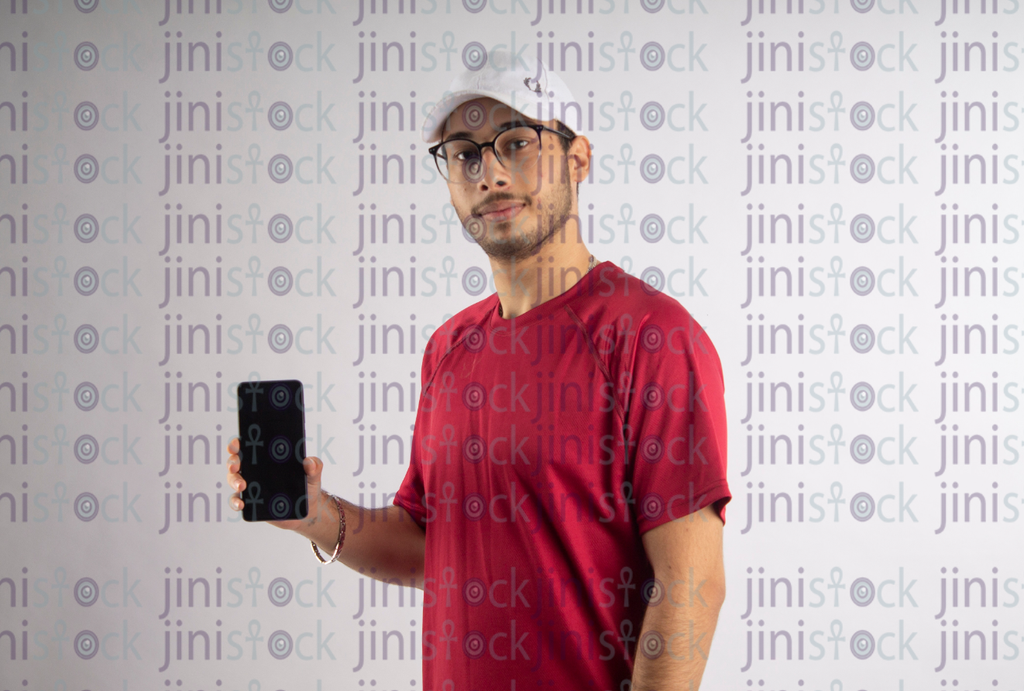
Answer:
[(676, 422), (410, 492)]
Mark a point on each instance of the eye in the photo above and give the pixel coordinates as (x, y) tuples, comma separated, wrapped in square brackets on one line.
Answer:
[(460, 150)]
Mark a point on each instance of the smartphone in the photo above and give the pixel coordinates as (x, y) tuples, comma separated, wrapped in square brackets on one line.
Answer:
[(272, 445)]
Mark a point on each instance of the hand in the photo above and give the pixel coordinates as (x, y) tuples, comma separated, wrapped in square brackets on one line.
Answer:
[(319, 505)]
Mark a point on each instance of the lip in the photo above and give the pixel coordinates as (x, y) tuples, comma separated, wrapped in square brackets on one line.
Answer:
[(503, 213)]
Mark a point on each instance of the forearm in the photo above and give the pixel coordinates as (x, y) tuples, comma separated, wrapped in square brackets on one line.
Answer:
[(386, 543), (673, 646)]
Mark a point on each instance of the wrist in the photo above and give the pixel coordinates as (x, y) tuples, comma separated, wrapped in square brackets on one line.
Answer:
[(340, 535)]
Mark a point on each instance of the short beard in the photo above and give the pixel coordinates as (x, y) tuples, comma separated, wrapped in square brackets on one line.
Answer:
[(520, 246)]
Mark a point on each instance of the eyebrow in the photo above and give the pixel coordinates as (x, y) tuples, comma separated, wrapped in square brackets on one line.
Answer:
[(468, 135)]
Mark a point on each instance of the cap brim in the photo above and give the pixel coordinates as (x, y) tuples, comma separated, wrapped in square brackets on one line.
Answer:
[(434, 122)]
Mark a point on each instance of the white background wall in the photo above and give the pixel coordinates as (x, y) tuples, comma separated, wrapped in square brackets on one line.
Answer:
[(135, 548)]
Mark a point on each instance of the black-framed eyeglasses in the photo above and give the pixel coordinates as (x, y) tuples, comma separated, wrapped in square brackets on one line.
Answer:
[(518, 149)]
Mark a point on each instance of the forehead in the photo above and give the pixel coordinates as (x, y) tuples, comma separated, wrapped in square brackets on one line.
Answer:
[(483, 114)]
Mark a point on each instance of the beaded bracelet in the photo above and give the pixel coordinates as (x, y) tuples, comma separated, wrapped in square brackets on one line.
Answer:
[(341, 533)]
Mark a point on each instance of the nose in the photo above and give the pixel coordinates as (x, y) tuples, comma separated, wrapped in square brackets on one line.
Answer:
[(494, 173)]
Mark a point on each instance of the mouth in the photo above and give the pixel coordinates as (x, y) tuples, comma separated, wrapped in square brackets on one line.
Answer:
[(503, 214)]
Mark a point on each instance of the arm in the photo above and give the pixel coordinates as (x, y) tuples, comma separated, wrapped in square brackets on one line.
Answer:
[(386, 539), (686, 554)]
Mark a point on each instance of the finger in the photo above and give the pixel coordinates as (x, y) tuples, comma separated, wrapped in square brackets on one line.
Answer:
[(235, 502), (233, 446), (313, 466), (234, 464)]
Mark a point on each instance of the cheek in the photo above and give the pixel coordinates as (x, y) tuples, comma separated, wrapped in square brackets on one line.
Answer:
[(456, 197), (461, 210), (553, 169)]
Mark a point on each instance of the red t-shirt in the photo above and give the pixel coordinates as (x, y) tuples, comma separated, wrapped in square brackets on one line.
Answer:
[(544, 447)]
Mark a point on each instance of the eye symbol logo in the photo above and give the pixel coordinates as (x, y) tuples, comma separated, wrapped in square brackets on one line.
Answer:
[(536, 84)]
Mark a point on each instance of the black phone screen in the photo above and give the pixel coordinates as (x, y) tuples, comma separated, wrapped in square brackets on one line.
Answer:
[(272, 445)]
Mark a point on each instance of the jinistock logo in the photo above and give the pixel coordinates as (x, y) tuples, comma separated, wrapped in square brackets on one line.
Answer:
[(86, 168), (178, 8), (575, 56), (622, 113), (199, 115), (199, 56), (111, 116), (761, 8), (514, 9), (784, 57)]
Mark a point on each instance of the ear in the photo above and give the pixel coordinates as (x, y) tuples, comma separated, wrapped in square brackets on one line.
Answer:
[(580, 152)]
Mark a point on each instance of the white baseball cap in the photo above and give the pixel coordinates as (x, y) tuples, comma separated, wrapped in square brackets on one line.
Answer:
[(518, 82)]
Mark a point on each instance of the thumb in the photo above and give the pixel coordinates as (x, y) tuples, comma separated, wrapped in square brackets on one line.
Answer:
[(313, 467)]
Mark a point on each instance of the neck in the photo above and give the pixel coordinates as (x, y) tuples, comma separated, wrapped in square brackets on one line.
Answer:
[(523, 285)]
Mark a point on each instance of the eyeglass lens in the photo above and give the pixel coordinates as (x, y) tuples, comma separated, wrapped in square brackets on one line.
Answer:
[(461, 160)]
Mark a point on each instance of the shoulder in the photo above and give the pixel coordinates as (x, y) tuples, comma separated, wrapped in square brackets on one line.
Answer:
[(628, 318)]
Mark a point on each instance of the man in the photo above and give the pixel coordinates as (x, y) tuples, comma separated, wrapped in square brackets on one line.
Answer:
[(564, 503)]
